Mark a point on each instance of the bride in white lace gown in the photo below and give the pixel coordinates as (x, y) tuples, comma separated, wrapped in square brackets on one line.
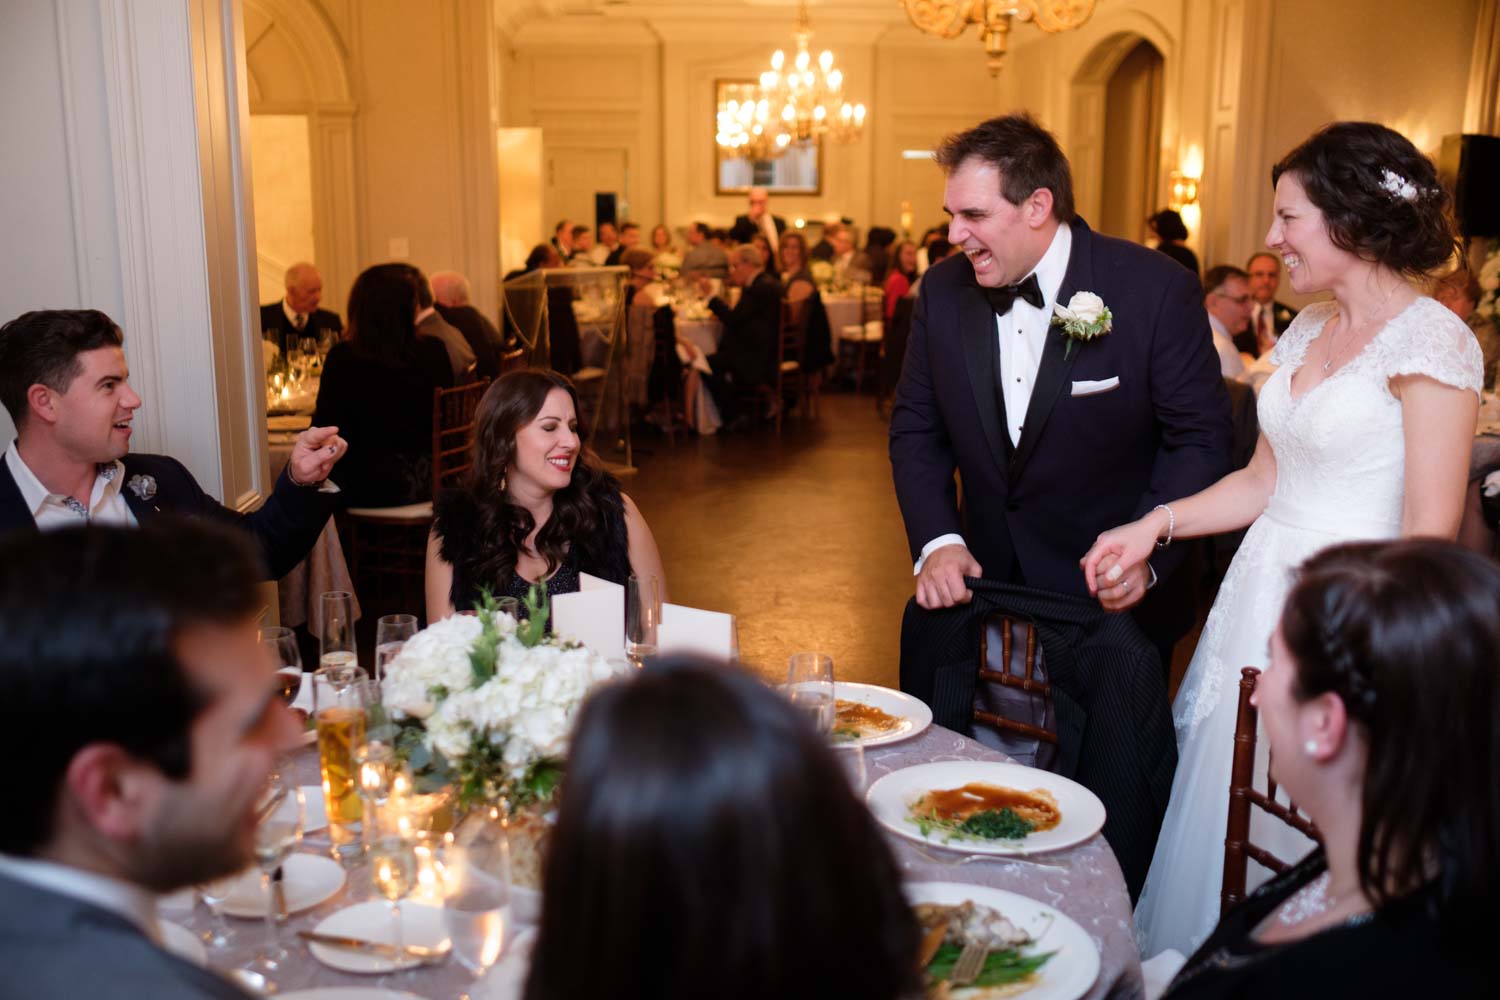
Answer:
[(1365, 433)]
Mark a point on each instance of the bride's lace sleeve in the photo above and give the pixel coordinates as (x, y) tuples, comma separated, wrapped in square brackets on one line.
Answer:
[(1430, 340), (1292, 344)]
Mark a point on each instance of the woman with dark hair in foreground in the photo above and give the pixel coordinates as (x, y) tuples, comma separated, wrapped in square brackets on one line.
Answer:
[(709, 845), (537, 507), (1382, 709)]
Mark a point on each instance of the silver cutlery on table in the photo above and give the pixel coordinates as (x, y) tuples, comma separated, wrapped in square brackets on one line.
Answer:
[(418, 951), (963, 859)]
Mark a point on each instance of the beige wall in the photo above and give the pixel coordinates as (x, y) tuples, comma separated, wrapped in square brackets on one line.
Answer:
[(280, 162)]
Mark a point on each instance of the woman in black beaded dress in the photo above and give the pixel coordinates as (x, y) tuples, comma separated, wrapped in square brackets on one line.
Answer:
[(536, 507)]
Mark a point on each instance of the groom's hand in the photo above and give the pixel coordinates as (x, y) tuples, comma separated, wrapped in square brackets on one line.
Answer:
[(940, 584), (1120, 591)]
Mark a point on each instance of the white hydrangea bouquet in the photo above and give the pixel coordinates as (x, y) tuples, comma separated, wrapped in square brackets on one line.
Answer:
[(484, 705)]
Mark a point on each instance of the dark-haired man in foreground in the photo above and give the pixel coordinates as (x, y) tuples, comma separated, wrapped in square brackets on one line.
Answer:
[(138, 693), (64, 379)]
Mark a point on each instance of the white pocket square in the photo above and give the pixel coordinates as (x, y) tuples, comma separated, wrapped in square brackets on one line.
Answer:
[(1087, 388)]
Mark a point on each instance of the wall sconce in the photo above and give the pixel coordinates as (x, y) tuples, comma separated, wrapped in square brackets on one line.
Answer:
[(1183, 191)]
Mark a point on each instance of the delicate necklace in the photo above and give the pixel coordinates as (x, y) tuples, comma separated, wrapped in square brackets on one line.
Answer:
[(1362, 326), (1312, 900)]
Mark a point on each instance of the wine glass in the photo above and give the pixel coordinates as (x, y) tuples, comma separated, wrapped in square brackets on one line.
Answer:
[(809, 686), (642, 616), (280, 644), (215, 893), (391, 633), (476, 901), (393, 872), (336, 638), (280, 816)]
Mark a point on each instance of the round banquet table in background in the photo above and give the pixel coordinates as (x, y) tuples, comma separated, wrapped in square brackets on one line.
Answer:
[(1089, 889)]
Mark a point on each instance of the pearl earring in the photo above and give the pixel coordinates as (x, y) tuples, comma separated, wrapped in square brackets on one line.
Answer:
[(1311, 747)]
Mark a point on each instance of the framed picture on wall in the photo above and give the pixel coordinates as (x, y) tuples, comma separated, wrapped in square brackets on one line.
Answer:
[(797, 169)]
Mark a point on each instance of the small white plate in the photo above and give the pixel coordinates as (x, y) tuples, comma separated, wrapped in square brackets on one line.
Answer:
[(348, 993), (1069, 974), (890, 797), (182, 942), (914, 714), (371, 921), (307, 880), (314, 809)]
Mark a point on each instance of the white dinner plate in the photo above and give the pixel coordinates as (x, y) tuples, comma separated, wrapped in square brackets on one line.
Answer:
[(182, 942), (307, 880), (914, 714), (348, 993), (371, 921), (890, 797), (1069, 974)]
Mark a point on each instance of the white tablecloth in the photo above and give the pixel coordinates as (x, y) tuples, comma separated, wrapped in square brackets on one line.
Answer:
[(324, 569)]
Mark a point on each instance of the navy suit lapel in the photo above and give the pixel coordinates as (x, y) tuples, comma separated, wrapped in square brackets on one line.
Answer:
[(976, 323), (1057, 361), (143, 510)]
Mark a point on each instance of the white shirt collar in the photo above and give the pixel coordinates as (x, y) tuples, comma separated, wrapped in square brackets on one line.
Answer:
[(119, 897), (108, 482), (1218, 327), (1053, 267)]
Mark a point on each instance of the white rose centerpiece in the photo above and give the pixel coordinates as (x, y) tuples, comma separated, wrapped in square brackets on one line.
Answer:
[(485, 705)]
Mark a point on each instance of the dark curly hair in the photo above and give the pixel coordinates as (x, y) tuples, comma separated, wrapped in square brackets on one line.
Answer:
[(578, 510), (1343, 168), (1026, 154), (1407, 635)]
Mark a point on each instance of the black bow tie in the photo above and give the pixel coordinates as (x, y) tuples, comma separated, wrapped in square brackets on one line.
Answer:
[(1002, 298)]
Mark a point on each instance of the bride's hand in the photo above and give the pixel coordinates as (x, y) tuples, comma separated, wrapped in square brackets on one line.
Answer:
[(1117, 552)]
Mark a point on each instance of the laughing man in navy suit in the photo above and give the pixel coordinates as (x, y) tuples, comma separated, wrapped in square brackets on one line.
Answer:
[(1054, 439), (64, 379)]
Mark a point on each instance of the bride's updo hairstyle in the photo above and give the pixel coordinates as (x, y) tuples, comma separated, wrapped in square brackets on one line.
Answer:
[(1380, 197), (1407, 635)]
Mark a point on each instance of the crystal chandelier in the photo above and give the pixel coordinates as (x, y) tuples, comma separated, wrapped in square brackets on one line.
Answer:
[(800, 103), (949, 18)]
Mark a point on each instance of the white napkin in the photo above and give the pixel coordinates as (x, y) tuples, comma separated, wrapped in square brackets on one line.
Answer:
[(691, 630), (594, 616)]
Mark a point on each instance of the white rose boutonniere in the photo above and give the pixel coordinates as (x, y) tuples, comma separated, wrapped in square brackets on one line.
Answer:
[(1084, 318), (142, 486)]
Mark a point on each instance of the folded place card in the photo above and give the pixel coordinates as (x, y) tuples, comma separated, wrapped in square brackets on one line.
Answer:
[(594, 616), (692, 630)]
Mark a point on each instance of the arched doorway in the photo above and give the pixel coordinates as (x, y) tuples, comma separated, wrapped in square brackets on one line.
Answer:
[(1132, 143)]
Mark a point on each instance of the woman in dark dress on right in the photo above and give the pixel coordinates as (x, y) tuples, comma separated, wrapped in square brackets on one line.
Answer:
[(1382, 707)]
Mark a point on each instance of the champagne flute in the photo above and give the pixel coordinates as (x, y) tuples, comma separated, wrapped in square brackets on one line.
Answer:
[(336, 638), (642, 616), (278, 829), (341, 708), (215, 893), (809, 686), (391, 633), (393, 871), (280, 644), (476, 901)]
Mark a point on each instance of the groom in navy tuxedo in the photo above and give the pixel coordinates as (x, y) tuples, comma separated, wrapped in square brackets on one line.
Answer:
[(1054, 439)]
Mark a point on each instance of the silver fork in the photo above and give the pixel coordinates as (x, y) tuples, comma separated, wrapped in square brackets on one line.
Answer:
[(970, 964), (1003, 859)]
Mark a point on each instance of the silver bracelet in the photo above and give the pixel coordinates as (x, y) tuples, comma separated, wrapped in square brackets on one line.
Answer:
[(1171, 524)]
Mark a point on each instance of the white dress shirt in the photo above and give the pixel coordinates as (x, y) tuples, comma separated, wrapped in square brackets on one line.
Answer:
[(768, 226), (1230, 362), (106, 504), (123, 898), (1022, 334)]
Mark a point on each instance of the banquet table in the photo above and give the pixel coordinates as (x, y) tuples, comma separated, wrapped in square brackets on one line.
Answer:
[(1090, 890)]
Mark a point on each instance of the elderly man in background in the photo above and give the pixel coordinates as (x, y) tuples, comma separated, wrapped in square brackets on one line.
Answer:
[(450, 294), (1268, 317), (297, 314), (132, 662), (430, 323), (1226, 299), (758, 222)]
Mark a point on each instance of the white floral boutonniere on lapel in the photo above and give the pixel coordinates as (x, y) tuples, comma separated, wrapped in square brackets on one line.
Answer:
[(1084, 318), (142, 486)]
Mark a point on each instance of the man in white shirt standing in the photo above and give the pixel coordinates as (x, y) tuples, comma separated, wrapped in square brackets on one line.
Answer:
[(131, 660), (1226, 298)]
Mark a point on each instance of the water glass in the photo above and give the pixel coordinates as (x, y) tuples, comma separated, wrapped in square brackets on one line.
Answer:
[(281, 814), (476, 901), (809, 686), (281, 649), (391, 633), (336, 638), (851, 758), (393, 873), (642, 616), (342, 698)]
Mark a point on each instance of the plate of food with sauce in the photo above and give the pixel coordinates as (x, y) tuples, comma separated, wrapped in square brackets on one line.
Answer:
[(875, 715), (986, 807)]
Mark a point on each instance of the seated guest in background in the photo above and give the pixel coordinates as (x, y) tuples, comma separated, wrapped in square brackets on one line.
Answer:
[(823, 249), (875, 259), (1226, 298), (609, 238), (537, 507), (1460, 292), (747, 352), (665, 871), (798, 287), (902, 274), (661, 241), (703, 256), (1382, 709), (430, 323), (378, 385), (64, 379), (630, 235), (1270, 317), (297, 314), (543, 255), (759, 242), (150, 729), (841, 239), (1171, 235), (583, 247), (924, 258), (450, 293), (642, 278), (796, 279), (937, 249), (562, 239), (758, 219)]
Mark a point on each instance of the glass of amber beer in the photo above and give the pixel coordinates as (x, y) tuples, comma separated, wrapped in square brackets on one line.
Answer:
[(341, 706)]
